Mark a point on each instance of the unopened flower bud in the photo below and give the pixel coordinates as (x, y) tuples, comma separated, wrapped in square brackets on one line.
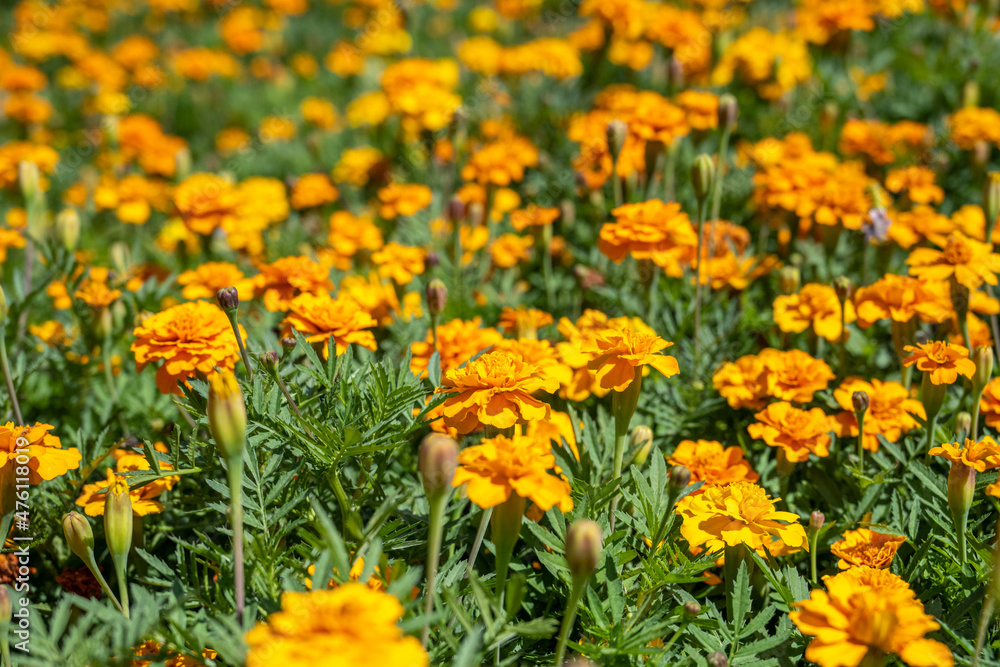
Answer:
[(182, 159), (676, 72), (437, 296), (227, 415), (288, 343), (718, 659), (28, 178), (816, 520), (229, 299), (616, 132), (692, 608), (456, 210), (567, 212), (960, 299), (702, 173), (79, 535), (269, 361), (963, 423), (789, 279), (729, 111), (680, 478), (842, 287), (432, 259), (437, 461), (68, 228), (118, 519), (970, 94), (641, 441), (982, 356), (584, 544), (859, 400), (991, 199)]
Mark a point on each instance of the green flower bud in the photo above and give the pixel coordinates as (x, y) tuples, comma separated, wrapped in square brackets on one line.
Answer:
[(729, 111), (680, 479), (68, 228), (227, 415), (789, 279), (641, 441), (991, 199), (437, 296), (842, 287), (584, 543), (28, 177), (859, 400), (437, 462), (816, 520), (702, 173), (982, 356), (228, 298), (118, 520), (963, 425), (79, 535), (616, 132)]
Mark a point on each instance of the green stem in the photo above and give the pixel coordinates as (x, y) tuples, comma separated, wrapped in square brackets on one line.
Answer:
[(239, 340), (94, 570), (697, 280), (438, 507), (670, 172), (8, 378), (719, 173), (617, 473), (484, 521), (109, 374), (547, 265), (977, 396), (861, 441), (122, 584), (984, 623), (569, 617), (813, 544), (234, 468)]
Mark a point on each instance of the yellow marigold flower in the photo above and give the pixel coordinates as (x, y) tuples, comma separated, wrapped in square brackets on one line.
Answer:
[(231, 140), (494, 390), (319, 316), (899, 299), (206, 201), (312, 190), (285, 278), (710, 462), (398, 262), (501, 466), (344, 59), (206, 281), (533, 216), (702, 109), (319, 112), (971, 262), (457, 342), (97, 294), (815, 306), (10, 238), (403, 199), (797, 432), (93, 496), (556, 429), (508, 250), (51, 333), (525, 322), (866, 548), (868, 611), (794, 375), (982, 455), (132, 198), (46, 457), (944, 361), (654, 230), (343, 624), (743, 383), (539, 353), (617, 356), (774, 63), (739, 513), (971, 125), (375, 296), (501, 162), (891, 411), (190, 338), (917, 182), (350, 234)]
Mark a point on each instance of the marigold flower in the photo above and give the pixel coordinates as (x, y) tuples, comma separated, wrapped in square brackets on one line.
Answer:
[(205, 281), (403, 199), (501, 162), (815, 306), (970, 262), (798, 432), (46, 457), (190, 338), (357, 166), (891, 411), (206, 202), (866, 548), (900, 299), (285, 278), (982, 455), (312, 190), (500, 466), (494, 390), (794, 375), (944, 361), (319, 317), (989, 404), (743, 383), (93, 496), (617, 355), (710, 462), (739, 513), (972, 125), (654, 230), (868, 610), (525, 322), (533, 216), (702, 109), (399, 262), (508, 250), (97, 294), (345, 622), (917, 182), (457, 342)]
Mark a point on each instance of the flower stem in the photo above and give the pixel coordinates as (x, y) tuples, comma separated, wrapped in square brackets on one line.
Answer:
[(984, 623), (720, 172), (623, 404), (234, 468), (438, 506), (569, 617), (122, 584), (478, 542), (239, 340), (8, 378), (109, 373), (861, 442), (96, 571), (813, 543), (697, 279), (550, 294)]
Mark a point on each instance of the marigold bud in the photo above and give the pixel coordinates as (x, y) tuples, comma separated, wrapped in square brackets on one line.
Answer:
[(182, 158), (961, 490), (641, 441), (432, 259), (816, 520), (676, 72), (860, 401), (692, 608), (288, 343), (567, 211), (702, 173), (269, 360), (118, 519), (991, 199), (28, 177), (680, 478), (729, 111), (68, 228), (970, 94), (789, 279), (584, 544), (718, 659), (229, 299), (983, 358), (842, 287), (963, 424), (456, 210), (616, 132), (438, 459), (227, 414), (437, 296), (79, 535)]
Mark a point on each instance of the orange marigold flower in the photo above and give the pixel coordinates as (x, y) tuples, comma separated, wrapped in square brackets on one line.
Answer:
[(944, 361), (501, 162), (989, 405), (190, 338), (969, 261), (815, 306), (794, 375), (346, 621), (619, 356), (866, 548), (580, 336), (358, 165), (866, 610), (284, 279), (891, 411), (206, 202), (93, 496), (739, 513), (312, 190), (982, 455), (350, 234), (501, 466), (743, 383), (403, 199), (908, 228), (206, 281), (654, 230), (900, 299), (10, 238), (507, 250), (799, 433), (971, 125), (457, 342), (525, 322), (712, 463), (399, 262), (702, 109), (319, 317), (917, 182), (533, 216), (97, 294), (494, 390), (46, 457)]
